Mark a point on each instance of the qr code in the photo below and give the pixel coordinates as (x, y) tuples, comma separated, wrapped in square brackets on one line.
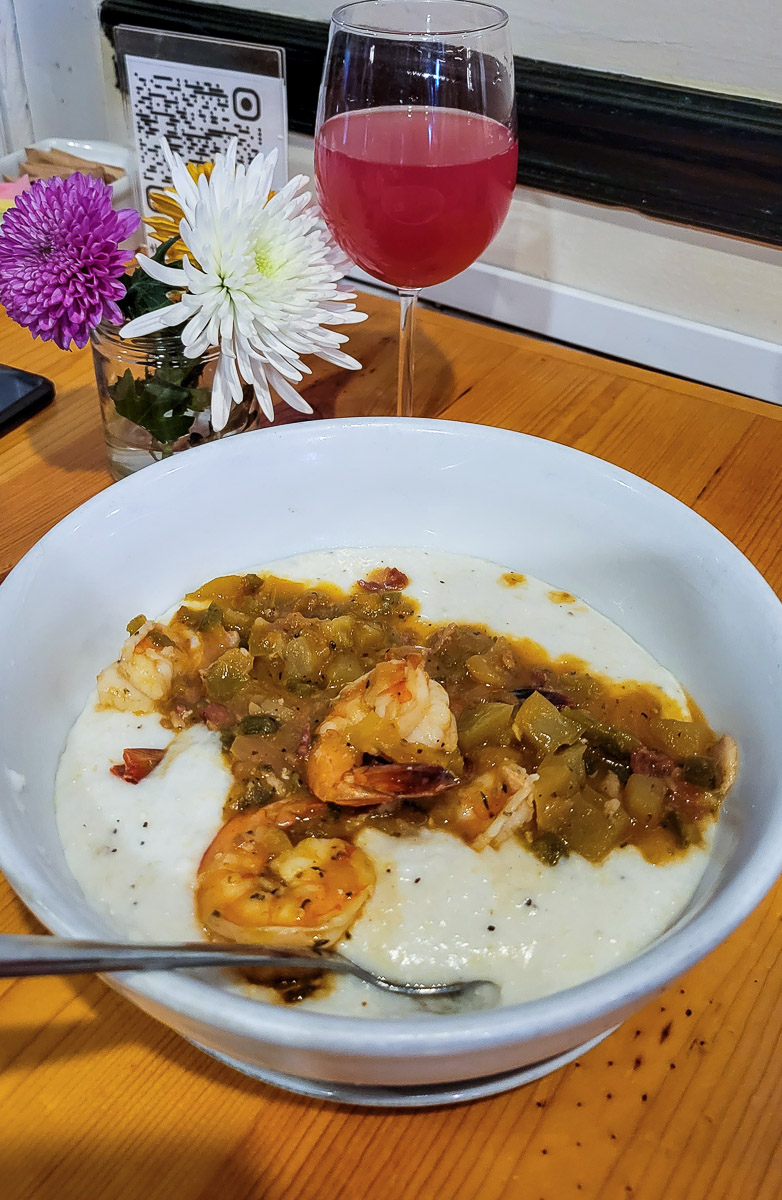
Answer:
[(199, 111)]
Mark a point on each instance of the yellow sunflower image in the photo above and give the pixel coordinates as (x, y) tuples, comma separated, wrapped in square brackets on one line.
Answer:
[(166, 206)]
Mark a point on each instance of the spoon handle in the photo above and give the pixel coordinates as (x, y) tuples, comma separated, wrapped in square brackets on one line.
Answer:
[(38, 955), (41, 955)]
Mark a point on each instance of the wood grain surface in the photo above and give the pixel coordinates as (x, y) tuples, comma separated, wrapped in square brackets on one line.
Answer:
[(682, 1103)]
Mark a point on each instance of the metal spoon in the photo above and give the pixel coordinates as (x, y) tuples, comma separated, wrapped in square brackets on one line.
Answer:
[(21, 955)]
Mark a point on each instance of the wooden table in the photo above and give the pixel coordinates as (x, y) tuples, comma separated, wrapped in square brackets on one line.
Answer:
[(682, 1103)]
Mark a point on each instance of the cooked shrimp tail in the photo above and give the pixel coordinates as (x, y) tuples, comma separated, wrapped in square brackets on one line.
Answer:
[(406, 780), (396, 713)]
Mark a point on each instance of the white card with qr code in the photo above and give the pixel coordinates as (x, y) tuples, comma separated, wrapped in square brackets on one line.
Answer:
[(200, 108)]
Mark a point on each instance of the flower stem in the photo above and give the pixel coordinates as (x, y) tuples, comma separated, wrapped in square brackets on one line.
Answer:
[(404, 395)]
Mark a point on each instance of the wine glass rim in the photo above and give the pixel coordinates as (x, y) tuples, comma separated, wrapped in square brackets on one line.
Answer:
[(496, 18)]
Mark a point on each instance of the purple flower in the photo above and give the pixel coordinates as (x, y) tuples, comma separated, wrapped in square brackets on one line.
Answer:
[(60, 261)]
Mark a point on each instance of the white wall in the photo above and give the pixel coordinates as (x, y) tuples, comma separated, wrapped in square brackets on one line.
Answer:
[(719, 281), (720, 44), (725, 282), (61, 53), (15, 119), (726, 45)]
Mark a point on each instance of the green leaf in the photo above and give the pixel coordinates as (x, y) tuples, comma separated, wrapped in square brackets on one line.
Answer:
[(162, 403), (144, 294)]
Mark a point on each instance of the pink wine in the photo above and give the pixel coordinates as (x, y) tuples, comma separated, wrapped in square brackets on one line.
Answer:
[(414, 195)]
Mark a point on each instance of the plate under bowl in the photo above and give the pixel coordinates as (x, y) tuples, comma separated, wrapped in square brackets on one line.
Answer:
[(408, 1097)]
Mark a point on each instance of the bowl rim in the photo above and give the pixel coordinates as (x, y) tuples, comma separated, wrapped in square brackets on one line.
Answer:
[(428, 1035)]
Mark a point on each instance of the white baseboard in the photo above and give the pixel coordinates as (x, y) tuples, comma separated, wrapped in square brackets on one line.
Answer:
[(704, 353)]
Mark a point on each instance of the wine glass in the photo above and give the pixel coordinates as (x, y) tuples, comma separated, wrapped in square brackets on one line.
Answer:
[(415, 143)]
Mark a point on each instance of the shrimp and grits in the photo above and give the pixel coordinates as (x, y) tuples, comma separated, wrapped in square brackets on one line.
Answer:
[(443, 768)]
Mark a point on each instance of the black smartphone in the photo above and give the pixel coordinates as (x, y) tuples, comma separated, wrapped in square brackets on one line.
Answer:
[(22, 394)]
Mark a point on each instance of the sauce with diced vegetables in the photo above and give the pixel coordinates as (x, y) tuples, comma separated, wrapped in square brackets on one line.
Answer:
[(612, 769), (415, 772)]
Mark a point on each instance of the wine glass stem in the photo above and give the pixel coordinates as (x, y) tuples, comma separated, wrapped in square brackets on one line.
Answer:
[(407, 306)]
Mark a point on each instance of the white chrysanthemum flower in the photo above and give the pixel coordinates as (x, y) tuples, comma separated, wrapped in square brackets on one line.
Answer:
[(262, 284)]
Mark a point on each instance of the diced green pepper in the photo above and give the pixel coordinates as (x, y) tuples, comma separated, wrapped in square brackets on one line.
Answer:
[(341, 632), (681, 739), (616, 742), (540, 724), (487, 723), (242, 622), (549, 849), (644, 799), (188, 616), (304, 658), (368, 637), (301, 687), (561, 774), (259, 723), (579, 687), (201, 619), (227, 675), (158, 638), (255, 795), (700, 770), (134, 625), (596, 759), (686, 832), (266, 641), (211, 617), (343, 667), (587, 824)]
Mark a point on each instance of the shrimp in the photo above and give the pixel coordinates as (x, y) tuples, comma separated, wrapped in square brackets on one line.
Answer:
[(143, 673), (395, 712), (726, 758), (254, 885), (149, 660), (492, 806), (286, 812)]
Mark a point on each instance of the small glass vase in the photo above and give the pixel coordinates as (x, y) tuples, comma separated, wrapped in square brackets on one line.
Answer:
[(155, 401)]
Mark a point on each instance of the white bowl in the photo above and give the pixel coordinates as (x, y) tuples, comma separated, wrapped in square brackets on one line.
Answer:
[(630, 550)]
